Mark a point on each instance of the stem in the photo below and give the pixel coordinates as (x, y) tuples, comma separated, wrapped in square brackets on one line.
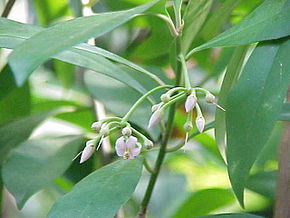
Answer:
[(140, 100), (195, 133), (185, 72), (8, 8), (282, 208), (164, 141)]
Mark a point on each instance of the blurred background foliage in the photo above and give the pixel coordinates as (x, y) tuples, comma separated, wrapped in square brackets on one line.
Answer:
[(194, 180)]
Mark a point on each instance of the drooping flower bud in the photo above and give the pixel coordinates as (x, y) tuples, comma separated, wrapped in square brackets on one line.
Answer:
[(200, 122), (126, 131), (155, 118), (88, 150), (190, 103), (209, 98), (165, 98), (187, 126), (154, 107), (97, 126), (148, 144), (104, 130)]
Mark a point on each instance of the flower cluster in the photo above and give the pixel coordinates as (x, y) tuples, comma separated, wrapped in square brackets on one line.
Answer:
[(178, 94), (127, 145)]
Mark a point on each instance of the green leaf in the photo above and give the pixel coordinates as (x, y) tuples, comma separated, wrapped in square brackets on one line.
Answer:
[(65, 73), (15, 105), (83, 55), (34, 164), (231, 76), (194, 17), (40, 47), (268, 21), (285, 114), (218, 18), (198, 203), (253, 106), (7, 82), (101, 193), (12, 134), (263, 183), (232, 215)]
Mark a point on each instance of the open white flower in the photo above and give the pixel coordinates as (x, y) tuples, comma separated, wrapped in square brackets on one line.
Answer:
[(128, 148)]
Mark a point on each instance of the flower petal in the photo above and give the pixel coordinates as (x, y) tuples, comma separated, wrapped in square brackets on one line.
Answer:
[(131, 142), (120, 146), (136, 150)]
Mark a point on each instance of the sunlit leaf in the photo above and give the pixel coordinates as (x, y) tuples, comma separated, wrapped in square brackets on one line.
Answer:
[(35, 163), (198, 204), (263, 183), (268, 21), (101, 193), (232, 215), (253, 106), (194, 17), (40, 47)]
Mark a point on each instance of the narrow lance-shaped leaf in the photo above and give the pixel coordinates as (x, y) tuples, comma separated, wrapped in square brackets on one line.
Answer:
[(36, 163), (231, 76), (269, 21), (194, 17), (254, 104), (84, 55), (102, 193), (42, 46)]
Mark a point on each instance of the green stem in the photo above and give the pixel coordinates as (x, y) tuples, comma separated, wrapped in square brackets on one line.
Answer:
[(140, 100), (185, 72), (164, 141), (173, 101), (195, 133)]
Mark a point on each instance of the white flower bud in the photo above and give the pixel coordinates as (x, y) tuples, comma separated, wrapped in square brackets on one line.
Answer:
[(187, 126), (190, 103), (126, 131), (88, 150), (148, 144), (209, 98), (165, 98), (104, 130), (154, 107), (200, 122), (155, 118), (96, 126)]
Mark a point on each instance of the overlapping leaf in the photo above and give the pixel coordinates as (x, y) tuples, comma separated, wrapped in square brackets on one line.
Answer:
[(101, 193), (35, 163), (253, 106)]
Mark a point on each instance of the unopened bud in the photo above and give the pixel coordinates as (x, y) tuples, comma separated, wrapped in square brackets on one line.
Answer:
[(154, 107), (155, 118), (104, 130), (126, 131), (200, 122), (190, 103), (88, 150), (96, 126), (165, 98), (187, 126), (148, 144), (209, 98)]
